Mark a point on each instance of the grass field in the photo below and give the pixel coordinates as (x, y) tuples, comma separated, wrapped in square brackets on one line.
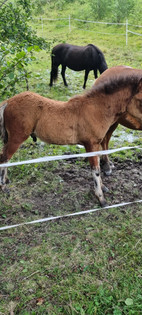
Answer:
[(89, 264)]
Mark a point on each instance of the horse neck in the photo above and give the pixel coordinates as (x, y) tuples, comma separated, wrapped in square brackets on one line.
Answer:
[(106, 107), (119, 100), (111, 105), (75, 103)]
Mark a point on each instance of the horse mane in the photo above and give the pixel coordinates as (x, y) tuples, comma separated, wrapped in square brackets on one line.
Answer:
[(111, 84)]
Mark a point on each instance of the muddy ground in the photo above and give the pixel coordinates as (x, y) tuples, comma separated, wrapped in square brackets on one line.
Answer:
[(67, 186), (78, 189)]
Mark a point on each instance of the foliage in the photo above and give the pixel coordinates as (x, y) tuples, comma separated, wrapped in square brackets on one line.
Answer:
[(114, 10), (39, 6), (17, 43), (118, 10), (136, 14), (98, 8), (122, 9)]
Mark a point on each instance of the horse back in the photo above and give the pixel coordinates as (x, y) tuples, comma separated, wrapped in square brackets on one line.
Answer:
[(22, 112), (75, 57)]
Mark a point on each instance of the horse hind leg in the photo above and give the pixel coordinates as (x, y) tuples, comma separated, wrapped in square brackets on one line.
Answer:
[(85, 78), (63, 75), (8, 150), (3, 178)]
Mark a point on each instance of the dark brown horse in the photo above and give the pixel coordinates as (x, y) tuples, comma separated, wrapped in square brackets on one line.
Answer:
[(84, 119), (76, 58)]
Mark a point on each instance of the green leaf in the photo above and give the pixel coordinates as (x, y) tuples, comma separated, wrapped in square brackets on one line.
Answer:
[(3, 48), (129, 301), (36, 48), (21, 54), (117, 312), (30, 48), (11, 75)]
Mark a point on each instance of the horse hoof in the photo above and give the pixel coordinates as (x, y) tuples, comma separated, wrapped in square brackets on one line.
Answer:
[(5, 189), (108, 172), (107, 167), (103, 203), (104, 188), (111, 164)]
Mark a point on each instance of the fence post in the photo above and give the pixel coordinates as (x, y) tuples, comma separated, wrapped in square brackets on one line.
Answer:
[(42, 25), (126, 32), (69, 23)]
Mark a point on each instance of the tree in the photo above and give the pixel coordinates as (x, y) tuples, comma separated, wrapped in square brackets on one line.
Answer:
[(100, 8), (122, 9), (18, 42)]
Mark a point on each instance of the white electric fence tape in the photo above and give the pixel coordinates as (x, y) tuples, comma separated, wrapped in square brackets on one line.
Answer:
[(68, 156), (63, 157), (70, 215)]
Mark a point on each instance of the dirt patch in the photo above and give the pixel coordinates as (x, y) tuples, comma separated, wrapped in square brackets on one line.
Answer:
[(75, 188), (68, 187)]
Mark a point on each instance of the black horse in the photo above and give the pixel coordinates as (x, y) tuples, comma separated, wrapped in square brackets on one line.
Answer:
[(76, 58)]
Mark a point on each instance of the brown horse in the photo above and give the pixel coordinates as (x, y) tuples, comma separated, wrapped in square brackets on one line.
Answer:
[(84, 119), (126, 120)]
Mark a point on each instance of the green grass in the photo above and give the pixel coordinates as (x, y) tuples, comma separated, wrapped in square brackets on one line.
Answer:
[(81, 266), (87, 265), (110, 39)]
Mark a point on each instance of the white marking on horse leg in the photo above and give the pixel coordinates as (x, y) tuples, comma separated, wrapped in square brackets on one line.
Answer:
[(98, 186), (3, 176)]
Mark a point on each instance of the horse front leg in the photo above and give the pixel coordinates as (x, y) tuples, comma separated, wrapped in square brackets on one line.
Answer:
[(95, 168), (95, 74), (63, 75), (107, 165), (85, 78)]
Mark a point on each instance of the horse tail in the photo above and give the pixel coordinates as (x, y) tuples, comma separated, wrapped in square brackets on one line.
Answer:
[(54, 71), (3, 132), (55, 74)]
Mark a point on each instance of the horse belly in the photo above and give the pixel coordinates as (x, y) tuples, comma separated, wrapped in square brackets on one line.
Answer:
[(76, 67), (56, 133), (76, 63)]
